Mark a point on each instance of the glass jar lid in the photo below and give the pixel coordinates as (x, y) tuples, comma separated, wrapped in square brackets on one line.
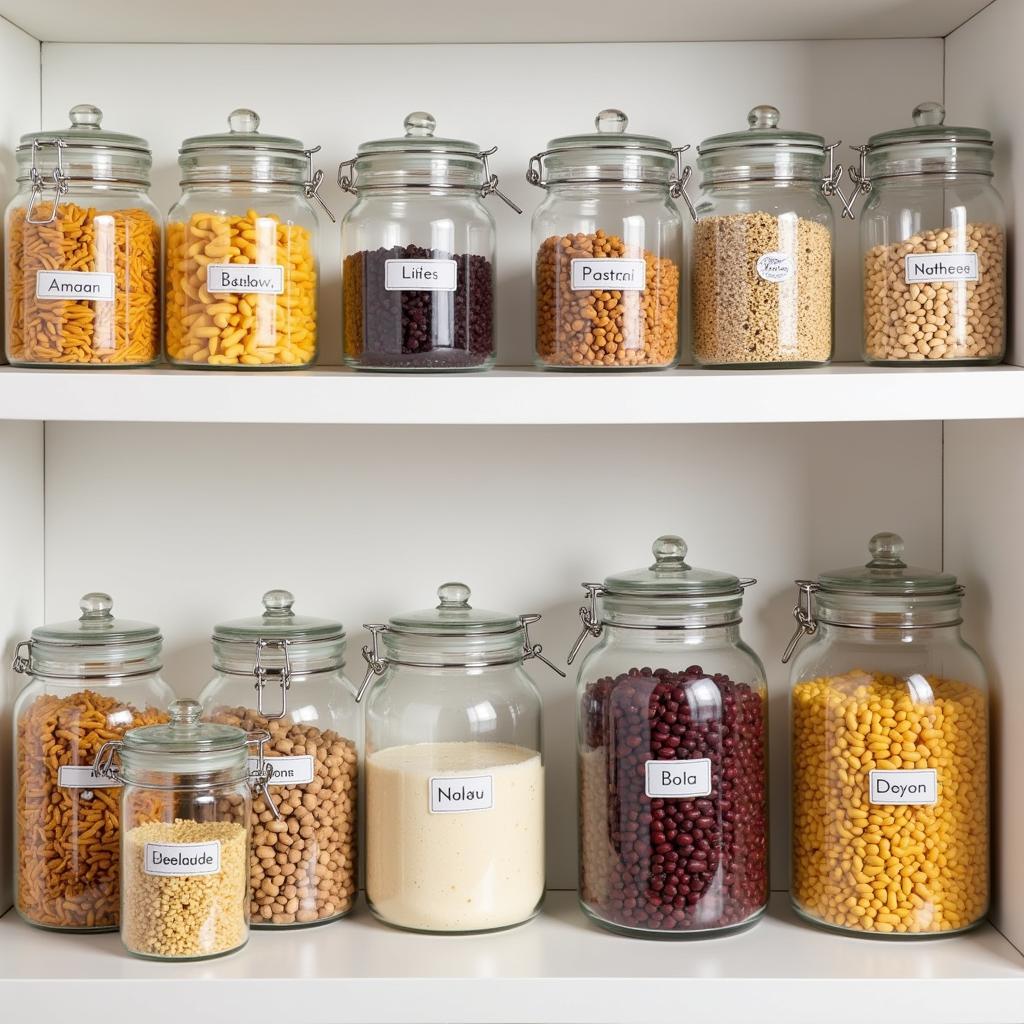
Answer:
[(455, 616), (670, 576), (279, 621), (887, 575)]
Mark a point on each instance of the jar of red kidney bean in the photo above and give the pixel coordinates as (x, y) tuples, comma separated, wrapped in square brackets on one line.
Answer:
[(672, 739)]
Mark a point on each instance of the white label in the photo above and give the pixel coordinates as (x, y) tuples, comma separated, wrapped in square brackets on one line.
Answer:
[(420, 275), (940, 266), (776, 267), (915, 786), (181, 859), (286, 771), (605, 275), (679, 778), (81, 776), (245, 278), (461, 793), (74, 284)]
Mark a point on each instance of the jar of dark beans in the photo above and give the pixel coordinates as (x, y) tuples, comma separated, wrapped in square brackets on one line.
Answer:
[(418, 253), (672, 739)]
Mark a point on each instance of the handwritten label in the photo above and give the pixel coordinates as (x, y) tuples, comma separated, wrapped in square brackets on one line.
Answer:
[(244, 278), (940, 266), (74, 284), (181, 859), (679, 779), (620, 275), (461, 793), (775, 267), (286, 771), (918, 787), (420, 275)]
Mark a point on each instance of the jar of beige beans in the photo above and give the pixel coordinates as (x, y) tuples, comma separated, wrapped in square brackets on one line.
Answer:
[(934, 241), (283, 673)]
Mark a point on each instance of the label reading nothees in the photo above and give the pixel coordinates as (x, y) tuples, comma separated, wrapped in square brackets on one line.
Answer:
[(245, 278), (182, 858), (776, 267), (679, 778), (420, 275), (74, 284), (82, 776), (286, 771), (940, 266), (914, 786), (461, 793), (620, 275)]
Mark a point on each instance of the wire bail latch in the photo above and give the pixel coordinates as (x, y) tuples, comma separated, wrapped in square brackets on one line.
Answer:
[(806, 625), (39, 183), (591, 623)]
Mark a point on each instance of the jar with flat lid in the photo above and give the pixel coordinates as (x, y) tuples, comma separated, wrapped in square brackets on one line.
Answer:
[(890, 752), (82, 249)]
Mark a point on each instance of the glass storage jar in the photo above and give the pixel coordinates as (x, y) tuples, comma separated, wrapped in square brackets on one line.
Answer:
[(454, 776), (889, 752), (417, 247), (672, 734), (242, 268), (933, 234), (303, 864), (609, 198), (185, 842), (89, 680), (762, 248), (83, 249)]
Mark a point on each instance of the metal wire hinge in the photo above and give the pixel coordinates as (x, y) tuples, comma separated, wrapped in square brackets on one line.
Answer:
[(311, 186), (677, 185), (60, 180), (588, 615), (22, 662), (534, 650), (261, 672), (490, 185), (375, 664), (806, 625)]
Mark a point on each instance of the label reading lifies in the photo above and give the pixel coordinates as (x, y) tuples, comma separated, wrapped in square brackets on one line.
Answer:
[(775, 267), (679, 779), (286, 771), (920, 268), (420, 275), (82, 776), (607, 275), (182, 858), (245, 278), (917, 787), (461, 793), (74, 284)]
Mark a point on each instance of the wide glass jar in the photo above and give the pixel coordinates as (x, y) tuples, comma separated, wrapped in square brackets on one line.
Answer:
[(417, 252), (608, 248), (890, 752), (83, 249), (454, 774), (672, 734), (242, 269), (762, 247), (303, 862), (89, 680), (933, 233)]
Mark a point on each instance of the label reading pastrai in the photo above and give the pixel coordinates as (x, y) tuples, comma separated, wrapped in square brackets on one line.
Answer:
[(620, 275), (679, 779), (923, 267), (420, 275), (286, 771), (82, 776), (461, 793), (245, 278), (182, 858), (917, 787), (74, 284), (776, 267)]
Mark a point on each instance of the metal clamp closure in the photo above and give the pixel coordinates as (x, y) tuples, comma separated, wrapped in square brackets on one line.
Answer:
[(830, 182), (311, 186), (103, 764), (22, 662), (60, 180), (591, 623), (806, 624), (261, 672), (490, 185), (677, 183), (534, 170), (375, 664), (347, 182), (859, 176), (259, 780), (534, 650)]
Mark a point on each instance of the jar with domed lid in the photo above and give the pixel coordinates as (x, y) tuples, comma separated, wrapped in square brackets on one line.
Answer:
[(454, 772), (242, 270), (83, 249), (672, 712), (608, 248), (890, 752), (284, 673)]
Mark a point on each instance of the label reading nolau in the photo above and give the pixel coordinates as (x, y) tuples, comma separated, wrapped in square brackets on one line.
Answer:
[(679, 778), (620, 275), (923, 267), (775, 267), (182, 858), (461, 793), (245, 278), (914, 786), (420, 275), (82, 776), (74, 284), (286, 771)]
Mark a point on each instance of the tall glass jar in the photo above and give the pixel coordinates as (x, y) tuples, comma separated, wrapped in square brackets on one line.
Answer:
[(418, 253), (454, 774), (933, 234), (890, 752), (89, 680), (608, 245), (303, 862), (672, 734), (242, 269), (83, 249)]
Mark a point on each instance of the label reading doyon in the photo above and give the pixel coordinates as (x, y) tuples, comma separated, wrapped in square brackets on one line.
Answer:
[(775, 267), (245, 278), (679, 778), (286, 771), (620, 275), (461, 793), (74, 284), (182, 858), (81, 776), (918, 787), (940, 266), (420, 275)]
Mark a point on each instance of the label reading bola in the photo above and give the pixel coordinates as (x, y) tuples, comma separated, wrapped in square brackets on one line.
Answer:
[(940, 266), (245, 278), (286, 771), (82, 776), (74, 284), (914, 786), (606, 275), (679, 778), (775, 267), (182, 858), (461, 793), (420, 275)]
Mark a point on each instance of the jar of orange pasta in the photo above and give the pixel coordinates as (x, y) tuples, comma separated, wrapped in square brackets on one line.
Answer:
[(241, 251), (83, 249)]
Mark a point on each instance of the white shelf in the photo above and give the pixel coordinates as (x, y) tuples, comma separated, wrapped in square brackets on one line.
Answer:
[(557, 968)]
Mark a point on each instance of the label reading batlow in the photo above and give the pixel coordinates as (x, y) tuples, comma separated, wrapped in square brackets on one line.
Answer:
[(74, 284), (940, 266), (420, 275), (245, 278), (286, 771), (775, 267), (620, 275), (914, 786), (679, 778), (81, 776), (462, 793), (182, 858)]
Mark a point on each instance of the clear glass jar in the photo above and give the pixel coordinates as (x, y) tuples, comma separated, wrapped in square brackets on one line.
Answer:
[(762, 248), (933, 233), (89, 680), (417, 253), (672, 735), (83, 250), (609, 198), (889, 753), (303, 865), (454, 775), (242, 269)]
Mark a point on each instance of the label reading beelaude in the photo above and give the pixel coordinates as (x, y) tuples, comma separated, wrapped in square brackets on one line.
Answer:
[(245, 278), (286, 771), (924, 267), (74, 284), (420, 275), (775, 267), (82, 776), (679, 779), (913, 786), (607, 275), (461, 793), (182, 858)]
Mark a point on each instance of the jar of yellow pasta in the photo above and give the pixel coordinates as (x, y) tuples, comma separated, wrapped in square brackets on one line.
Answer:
[(241, 289), (82, 249)]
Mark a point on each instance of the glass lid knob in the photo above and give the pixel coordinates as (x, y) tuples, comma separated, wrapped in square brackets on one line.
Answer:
[(929, 114), (886, 551), (244, 120), (420, 124), (185, 712), (611, 121), (763, 116), (96, 606), (278, 603), (669, 553), (85, 115), (453, 595)]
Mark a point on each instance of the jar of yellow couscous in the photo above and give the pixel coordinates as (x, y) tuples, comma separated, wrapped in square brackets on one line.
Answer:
[(241, 251), (889, 752)]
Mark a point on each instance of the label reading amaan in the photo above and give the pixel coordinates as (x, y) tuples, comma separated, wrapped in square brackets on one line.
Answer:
[(245, 278), (920, 268), (82, 776), (917, 787), (181, 859), (608, 275), (461, 793), (420, 275), (775, 267), (679, 779), (74, 284), (286, 771)]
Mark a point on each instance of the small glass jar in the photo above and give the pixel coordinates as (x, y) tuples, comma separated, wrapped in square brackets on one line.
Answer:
[(608, 244), (672, 716), (242, 269), (933, 234), (454, 776), (304, 873), (762, 247), (83, 250), (89, 679), (890, 753), (418, 253)]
